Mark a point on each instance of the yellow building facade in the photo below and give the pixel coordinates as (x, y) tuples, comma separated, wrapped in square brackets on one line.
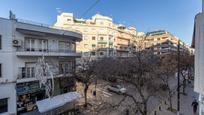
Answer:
[(101, 37), (163, 42)]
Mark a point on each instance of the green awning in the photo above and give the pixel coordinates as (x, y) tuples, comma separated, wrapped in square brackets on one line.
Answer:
[(102, 42), (111, 43)]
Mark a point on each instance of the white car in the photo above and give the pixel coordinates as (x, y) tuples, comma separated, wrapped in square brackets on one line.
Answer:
[(117, 89)]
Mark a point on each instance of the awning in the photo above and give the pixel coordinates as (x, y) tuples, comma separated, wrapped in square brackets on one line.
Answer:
[(57, 101)]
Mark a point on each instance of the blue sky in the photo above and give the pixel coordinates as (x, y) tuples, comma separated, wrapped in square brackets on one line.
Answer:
[(176, 16)]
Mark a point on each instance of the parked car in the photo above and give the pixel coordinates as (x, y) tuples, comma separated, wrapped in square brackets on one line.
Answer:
[(117, 89)]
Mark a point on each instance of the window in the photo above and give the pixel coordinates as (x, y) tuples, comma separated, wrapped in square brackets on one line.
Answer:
[(85, 38), (43, 45), (85, 30), (0, 71), (0, 43), (72, 47), (30, 44), (101, 23), (64, 46), (69, 19), (93, 38), (101, 38), (85, 45), (93, 53), (110, 38), (86, 54), (93, 45), (66, 67), (101, 53), (3, 105)]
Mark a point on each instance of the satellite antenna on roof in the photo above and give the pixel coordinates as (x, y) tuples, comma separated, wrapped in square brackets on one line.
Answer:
[(12, 16)]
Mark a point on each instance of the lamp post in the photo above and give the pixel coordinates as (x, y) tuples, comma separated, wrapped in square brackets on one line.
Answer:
[(178, 75)]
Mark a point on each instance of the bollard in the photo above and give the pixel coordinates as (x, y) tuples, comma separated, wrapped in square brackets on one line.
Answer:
[(155, 112)]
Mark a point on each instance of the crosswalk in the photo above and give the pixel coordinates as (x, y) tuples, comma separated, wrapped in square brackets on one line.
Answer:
[(105, 94)]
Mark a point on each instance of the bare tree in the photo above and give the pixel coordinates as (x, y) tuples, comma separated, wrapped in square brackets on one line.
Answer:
[(138, 71), (85, 75), (167, 70), (187, 65)]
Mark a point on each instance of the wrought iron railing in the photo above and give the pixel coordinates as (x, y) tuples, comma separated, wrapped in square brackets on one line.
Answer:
[(29, 72), (45, 50), (46, 25)]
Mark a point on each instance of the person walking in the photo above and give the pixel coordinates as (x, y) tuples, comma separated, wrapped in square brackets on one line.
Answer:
[(195, 106)]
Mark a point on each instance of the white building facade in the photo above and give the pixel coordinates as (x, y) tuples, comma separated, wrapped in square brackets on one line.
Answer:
[(101, 36), (198, 42), (21, 45)]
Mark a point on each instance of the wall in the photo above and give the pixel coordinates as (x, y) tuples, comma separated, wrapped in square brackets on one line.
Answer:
[(199, 54), (7, 61)]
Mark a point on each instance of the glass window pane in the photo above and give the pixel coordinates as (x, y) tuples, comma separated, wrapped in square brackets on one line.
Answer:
[(3, 105)]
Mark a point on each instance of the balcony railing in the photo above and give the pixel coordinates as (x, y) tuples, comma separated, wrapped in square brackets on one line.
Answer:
[(29, 72), (46, 25), (45, 50)]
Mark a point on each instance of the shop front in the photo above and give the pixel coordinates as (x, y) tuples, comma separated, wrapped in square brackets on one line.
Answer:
[(27, 95), (30, 92)]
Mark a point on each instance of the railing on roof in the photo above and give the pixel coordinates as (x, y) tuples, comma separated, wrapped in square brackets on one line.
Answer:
[(33, 23), (47, 25)]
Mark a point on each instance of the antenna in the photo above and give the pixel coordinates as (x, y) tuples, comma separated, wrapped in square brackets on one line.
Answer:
[(59, 11), (12, 16)]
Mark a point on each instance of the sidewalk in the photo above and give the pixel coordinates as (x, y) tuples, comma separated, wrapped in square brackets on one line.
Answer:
[(185, 104)]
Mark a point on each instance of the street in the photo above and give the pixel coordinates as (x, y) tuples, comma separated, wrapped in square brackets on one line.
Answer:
[(155, 106)]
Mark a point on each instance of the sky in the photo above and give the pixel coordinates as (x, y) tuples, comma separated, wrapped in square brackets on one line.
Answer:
[(175, 16)]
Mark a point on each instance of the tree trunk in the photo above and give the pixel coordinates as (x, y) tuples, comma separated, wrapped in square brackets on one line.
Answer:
[(184, 86), (85, 95), (145, 108), (170, 101)]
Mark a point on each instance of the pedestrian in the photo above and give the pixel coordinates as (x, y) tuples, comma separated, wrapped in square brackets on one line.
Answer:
[(127, 112), (195, 106)]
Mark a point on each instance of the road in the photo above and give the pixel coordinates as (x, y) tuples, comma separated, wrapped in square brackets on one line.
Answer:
[(103, 95), (107, 97)]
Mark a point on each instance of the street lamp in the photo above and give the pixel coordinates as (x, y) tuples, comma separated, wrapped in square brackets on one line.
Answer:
[(178, 75)]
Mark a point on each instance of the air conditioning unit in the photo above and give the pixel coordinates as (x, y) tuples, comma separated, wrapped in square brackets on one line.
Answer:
[(17, 43)]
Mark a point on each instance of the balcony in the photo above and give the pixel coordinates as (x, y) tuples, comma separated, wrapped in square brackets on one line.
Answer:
[(123, 49), (34, 28), (27, 74), (46, 52)]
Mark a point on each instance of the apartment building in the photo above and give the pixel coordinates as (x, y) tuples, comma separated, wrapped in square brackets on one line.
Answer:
[(101, 36), (22, 43), (198, 44), (163, 42)]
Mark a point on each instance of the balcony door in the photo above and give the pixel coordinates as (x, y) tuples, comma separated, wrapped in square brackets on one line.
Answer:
[(43, 45), (29, 44), (64, 46), (29, 70), (66, 67)]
